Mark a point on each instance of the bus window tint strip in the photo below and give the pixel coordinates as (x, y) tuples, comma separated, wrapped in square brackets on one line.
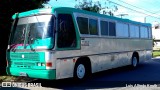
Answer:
[(90, 27), (104, 28), (93, 27), (122, 30), (112, 29), (83, 25), (144, 32), (134, 31)]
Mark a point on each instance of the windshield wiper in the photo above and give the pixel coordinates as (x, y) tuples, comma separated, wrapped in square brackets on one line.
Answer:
[(29, 41), (13, 48)]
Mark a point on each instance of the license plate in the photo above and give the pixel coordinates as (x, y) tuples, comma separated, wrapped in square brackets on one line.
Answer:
[(23, 74)]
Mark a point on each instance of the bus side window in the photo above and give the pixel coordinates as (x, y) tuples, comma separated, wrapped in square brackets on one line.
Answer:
[(66, 31), (112, 29)]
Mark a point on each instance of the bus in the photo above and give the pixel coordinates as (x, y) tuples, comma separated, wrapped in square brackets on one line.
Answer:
[(62, 42)]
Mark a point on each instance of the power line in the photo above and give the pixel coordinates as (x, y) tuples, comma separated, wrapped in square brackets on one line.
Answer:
[(138, 7), (151, 3), (132, 9)]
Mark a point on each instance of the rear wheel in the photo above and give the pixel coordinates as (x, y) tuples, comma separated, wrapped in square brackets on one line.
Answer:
[(134, 61)]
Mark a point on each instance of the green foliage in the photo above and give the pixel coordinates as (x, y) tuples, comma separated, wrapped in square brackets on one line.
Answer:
[(156, 53), (89, 6), (5, 78), (96, 7), (7, 9)]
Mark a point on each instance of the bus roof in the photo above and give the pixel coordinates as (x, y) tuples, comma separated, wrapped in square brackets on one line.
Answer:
[(72, 10)]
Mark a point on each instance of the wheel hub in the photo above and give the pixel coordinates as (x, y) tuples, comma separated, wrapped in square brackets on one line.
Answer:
[(80, 71)]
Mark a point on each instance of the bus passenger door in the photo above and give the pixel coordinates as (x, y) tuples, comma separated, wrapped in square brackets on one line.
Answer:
[(66, 46), (66, 38)]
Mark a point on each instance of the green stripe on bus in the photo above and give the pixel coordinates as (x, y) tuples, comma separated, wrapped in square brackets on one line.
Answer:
[(41, 74), (71, 10)]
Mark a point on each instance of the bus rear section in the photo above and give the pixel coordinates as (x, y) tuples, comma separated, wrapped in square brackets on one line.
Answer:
[(31, 40)]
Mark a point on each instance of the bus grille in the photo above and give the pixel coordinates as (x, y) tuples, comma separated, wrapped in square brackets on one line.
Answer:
[(25, 56), (24, 64)]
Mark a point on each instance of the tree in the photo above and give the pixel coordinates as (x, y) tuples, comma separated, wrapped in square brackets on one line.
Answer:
[(89, 6), (96, 7), (7, 9)]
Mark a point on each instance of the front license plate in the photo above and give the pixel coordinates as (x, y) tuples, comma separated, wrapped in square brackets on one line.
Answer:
[(23, 74)]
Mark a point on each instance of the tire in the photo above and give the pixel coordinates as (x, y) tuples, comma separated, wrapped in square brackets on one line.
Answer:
[(134, 62), (80, 71)]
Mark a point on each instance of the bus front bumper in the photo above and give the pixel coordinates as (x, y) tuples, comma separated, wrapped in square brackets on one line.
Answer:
[(32, 73)]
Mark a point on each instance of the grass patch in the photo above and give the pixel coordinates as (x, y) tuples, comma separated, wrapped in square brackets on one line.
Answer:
[(156, 53), (14, 79)]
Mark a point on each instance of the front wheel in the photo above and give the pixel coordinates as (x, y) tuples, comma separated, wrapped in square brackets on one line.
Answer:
[(80, 71)]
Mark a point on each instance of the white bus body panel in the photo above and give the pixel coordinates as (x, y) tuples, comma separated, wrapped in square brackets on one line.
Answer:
[(104, 53)]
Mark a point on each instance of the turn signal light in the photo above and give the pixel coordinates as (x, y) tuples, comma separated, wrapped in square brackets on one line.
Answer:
[(7, 62), (49, 64)]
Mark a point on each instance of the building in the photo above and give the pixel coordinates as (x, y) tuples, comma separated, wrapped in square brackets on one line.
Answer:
[(156, 35)]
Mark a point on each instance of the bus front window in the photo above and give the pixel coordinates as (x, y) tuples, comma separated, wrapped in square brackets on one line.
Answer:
[(35, 31)]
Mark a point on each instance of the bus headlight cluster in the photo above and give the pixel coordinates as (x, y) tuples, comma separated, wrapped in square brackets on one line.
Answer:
[(43, 64), (40, 64)]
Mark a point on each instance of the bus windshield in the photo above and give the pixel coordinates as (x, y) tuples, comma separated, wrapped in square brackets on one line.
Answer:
[(33, 32)]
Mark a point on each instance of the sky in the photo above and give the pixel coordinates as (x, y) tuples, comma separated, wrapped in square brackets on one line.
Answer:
[(138, 10)]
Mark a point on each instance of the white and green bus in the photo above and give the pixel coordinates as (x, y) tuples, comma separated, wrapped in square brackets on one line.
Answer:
[(63, 42)]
